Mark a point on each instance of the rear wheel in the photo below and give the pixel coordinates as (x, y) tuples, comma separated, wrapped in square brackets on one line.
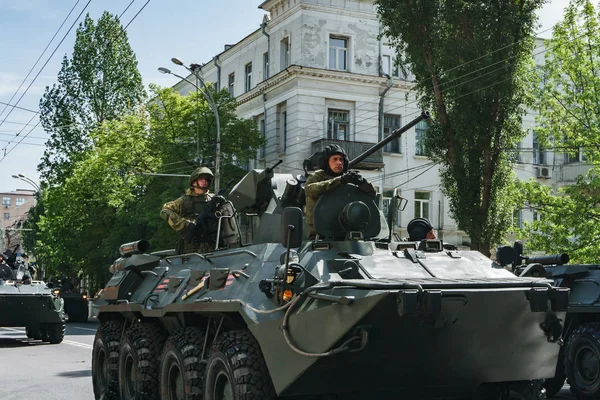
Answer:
[(53, 332), (181, 366), (582, 361), (236, 369), (105, 361), (139, 362)]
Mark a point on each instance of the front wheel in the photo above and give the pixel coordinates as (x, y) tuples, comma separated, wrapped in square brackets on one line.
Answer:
[(582, 361), (105, 361), (236, 369)]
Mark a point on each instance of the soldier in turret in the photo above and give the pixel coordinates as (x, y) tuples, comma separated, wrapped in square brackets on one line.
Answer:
[(192, 215), (333, 172)]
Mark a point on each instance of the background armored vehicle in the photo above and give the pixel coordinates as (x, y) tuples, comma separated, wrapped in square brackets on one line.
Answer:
[(579, 360), (76, 304), (30, 303), (350, 314)]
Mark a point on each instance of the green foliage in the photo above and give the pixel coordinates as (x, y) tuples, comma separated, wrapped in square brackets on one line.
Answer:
[(471, 61), (568, 221), (568, 100), (100, 82), (109, 199)]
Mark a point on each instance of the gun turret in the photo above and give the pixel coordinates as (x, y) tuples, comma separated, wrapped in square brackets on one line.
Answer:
[(253, 192)]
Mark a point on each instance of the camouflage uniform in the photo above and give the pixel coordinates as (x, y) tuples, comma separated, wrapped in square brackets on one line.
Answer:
[(317, 184), (183, 211)]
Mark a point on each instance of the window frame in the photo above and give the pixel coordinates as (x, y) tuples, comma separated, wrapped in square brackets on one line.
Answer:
[(333, 131), (231, 84), (285, 49), (6, 201), (423, 204), (421, 130), (265, 66), (334, 61), (388, 148), (248, 77)]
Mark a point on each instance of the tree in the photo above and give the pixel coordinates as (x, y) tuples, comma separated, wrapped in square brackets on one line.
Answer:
[(100, 82), (108, 199), (568, 100), (470, 60)]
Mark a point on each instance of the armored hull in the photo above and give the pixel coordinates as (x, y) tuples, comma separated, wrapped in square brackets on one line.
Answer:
[(34, 306)]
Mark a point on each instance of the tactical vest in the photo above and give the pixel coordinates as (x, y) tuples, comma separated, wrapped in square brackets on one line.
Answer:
[(194, 205)]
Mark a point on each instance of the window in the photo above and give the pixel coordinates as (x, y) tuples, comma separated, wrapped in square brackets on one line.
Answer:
[(6, 201), (421, 138), (386, 63), (283, 131), (518, 219), (285, 53), (338, 53), (422, 202), (338, 125), (266, 66), (539, 155), (391, 122), (263, 148), (231, 84), (248, 82), (575, 157), (6, 215), (20, 201)]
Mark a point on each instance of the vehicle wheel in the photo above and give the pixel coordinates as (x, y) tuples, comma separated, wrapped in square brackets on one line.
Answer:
[(139, 362), (582, 361), (181, 367), (34, 332), (53, 333), (237, 370), (105, 361), (554, 385)]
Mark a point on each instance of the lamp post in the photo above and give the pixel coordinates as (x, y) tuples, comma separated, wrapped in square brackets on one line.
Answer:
[(28, 180), (213, 105)]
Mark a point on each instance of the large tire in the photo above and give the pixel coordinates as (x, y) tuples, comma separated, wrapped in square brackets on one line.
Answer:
[(582, 361), (34, 332), (105, 361), (53, 333), (181, 366), (236, 369), (139, 362)]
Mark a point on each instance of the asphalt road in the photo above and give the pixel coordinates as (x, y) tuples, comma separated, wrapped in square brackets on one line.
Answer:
[(30, 369)]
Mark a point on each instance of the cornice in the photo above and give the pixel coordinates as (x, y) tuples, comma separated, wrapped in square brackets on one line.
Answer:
[(296, 71)]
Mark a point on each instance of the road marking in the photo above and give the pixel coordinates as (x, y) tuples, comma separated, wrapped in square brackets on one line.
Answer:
[(84, 329), (72, 343)]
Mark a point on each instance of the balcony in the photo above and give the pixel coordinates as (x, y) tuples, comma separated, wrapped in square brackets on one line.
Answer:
[(353, 150)]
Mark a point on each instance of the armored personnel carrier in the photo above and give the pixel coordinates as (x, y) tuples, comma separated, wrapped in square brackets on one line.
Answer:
[(579, 360), (30, 303), (348, 314)]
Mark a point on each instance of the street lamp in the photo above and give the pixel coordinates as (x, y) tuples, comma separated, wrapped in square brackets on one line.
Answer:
[(28, 180), (211, 101)]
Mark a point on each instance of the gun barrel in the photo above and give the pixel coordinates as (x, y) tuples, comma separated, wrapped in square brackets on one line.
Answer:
[(553, 259), (140, 246), (394, 135)]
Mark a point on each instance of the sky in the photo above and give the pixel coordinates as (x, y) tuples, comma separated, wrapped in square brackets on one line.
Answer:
[(192, 30)]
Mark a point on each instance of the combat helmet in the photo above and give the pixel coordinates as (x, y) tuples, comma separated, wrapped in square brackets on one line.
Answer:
[(328, 151), (201, 171), (417, 228)]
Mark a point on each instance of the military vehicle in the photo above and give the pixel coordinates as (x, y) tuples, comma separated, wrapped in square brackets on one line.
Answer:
[(76, 304), (30, 303), (349, 314), (579, 360)]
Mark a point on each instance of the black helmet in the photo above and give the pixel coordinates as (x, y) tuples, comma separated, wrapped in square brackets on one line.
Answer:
[(201, 171), (418, 228), (327, 152)]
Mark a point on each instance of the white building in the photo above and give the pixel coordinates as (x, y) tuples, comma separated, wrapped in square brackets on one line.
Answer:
[(315, 73)]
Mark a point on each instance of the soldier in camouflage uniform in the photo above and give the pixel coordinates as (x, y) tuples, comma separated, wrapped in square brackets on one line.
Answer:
[(333, 172), (193, 214)]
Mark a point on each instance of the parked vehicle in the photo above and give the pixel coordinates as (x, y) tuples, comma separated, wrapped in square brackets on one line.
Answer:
[(350, 313)]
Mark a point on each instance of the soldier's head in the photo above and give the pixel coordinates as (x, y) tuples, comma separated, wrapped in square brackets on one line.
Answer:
[(201, 179), (334, 160), (419, 229)]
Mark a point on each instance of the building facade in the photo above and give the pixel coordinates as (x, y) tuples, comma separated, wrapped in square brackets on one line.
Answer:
[(315, 72), (15, 206)]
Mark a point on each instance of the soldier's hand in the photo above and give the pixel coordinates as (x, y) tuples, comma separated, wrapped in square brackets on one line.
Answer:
[(215, 202), (352, 177)]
